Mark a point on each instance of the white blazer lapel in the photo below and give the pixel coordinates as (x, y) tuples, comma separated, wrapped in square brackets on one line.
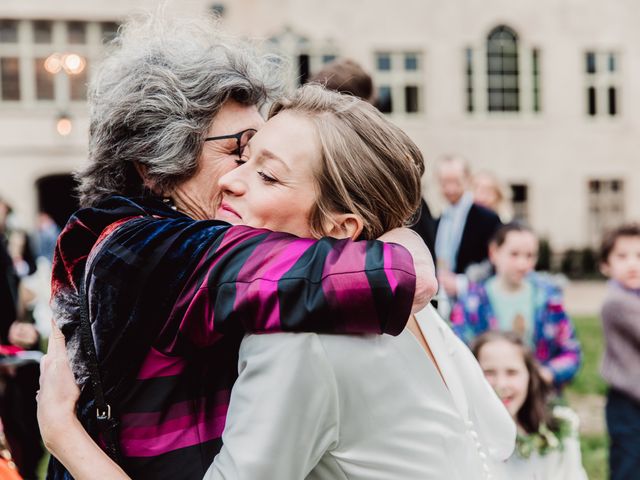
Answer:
[(473, 396), (436, 332)]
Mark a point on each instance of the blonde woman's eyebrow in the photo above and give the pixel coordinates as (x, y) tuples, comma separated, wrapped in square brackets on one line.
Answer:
[(268, 155)]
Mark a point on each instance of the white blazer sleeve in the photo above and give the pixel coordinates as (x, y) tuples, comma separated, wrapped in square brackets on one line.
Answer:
[(283, 414)]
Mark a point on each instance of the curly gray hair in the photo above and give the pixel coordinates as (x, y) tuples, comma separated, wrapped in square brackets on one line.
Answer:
[(154, 97)]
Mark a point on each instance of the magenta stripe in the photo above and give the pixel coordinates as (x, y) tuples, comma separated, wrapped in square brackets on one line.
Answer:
[(184, 424), (151, 442), (200, 332), (345, 283), (238, 234), (180, 409), (194, 301), (176, 425), (157, 365), (388, 266), (258, 278)]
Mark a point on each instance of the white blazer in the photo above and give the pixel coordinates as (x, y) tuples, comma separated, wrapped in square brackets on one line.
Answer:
[(374, 407)]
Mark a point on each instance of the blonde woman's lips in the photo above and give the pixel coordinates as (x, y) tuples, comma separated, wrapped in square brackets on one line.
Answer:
[(226, 210)]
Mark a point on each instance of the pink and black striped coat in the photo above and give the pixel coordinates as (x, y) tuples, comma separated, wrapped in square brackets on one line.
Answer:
[(170, 300)]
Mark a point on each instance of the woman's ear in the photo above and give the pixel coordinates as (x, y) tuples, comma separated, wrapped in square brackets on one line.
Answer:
[(605, 269), (142, 171), (344, 225)]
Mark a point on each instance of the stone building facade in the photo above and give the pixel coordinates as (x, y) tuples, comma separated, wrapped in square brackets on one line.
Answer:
[(545, 94)]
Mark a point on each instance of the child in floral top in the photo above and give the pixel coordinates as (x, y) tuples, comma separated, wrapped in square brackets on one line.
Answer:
[(547, 446), (516, 299)]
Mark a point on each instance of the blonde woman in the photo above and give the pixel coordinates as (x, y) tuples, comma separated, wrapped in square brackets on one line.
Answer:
[(319, 406), (489, 192)]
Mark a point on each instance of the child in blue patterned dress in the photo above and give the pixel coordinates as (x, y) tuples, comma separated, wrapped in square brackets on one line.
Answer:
[(519, 300)]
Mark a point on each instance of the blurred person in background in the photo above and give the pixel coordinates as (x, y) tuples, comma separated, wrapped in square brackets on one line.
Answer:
[(171, 292), (517, 299), (46, 236), (489, 192), (620, 262), (17, 333), (8, 291), (547, 446), (18, 405), (348, 77), (462, 231)]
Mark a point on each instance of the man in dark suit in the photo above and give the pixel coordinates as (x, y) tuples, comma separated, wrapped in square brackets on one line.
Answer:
[(464, 228)]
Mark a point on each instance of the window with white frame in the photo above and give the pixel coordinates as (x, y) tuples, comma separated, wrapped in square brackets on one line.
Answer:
[(399, 79), (309, 62), (9, 61), (306, 57), (10, 78), (520, 202), (46, 61), (606, 206), (602, 76), (109, 30), (536, 100), (502, 75), (469, 79), (503, 90)]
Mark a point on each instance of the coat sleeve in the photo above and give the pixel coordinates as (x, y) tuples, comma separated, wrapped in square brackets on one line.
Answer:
[(262, 281), (283, 414)]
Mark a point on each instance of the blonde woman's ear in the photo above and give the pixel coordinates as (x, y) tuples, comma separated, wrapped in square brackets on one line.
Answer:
[(344, 225)]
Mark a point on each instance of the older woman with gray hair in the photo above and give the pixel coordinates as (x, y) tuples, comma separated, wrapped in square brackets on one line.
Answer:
[(152, 296)]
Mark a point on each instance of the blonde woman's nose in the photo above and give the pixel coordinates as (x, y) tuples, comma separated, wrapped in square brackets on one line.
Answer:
[(232, 182)]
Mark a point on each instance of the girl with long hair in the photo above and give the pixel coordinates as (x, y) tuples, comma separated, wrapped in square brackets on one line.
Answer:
[(547, 445)]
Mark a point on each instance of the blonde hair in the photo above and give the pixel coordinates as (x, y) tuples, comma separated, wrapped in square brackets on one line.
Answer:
[(369, 167)]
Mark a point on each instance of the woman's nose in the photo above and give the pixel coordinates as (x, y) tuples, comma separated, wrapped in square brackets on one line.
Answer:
[(233, 182)]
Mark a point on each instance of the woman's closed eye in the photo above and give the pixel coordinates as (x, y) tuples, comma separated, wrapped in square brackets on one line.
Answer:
[(266, 178), (263, 176)]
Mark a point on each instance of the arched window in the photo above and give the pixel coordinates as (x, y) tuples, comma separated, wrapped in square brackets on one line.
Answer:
[(502, 70)]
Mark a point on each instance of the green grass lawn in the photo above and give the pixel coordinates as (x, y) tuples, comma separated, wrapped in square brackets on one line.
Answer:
[(588, 382), (589, 330), (595, 454)]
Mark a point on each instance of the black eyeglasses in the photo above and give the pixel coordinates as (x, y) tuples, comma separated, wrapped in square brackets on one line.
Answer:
[(242, 138)]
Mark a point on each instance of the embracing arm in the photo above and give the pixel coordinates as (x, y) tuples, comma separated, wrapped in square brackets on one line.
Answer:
[(426, 283), (62, 433), (271, 432), (82, 457), (283, 414), (269, 282)]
